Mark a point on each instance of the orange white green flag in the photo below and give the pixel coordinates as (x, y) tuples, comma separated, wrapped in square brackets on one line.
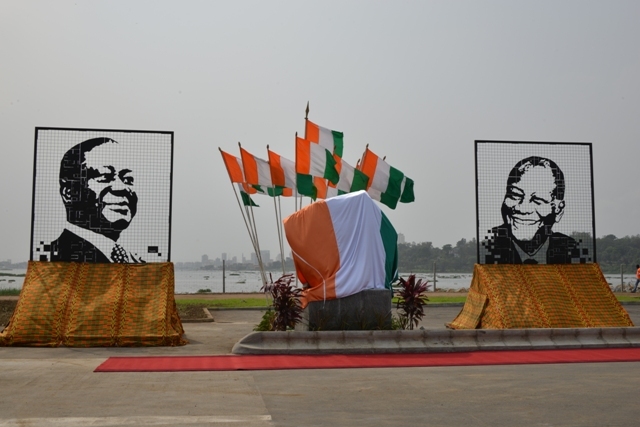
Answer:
[(283, 170), (386, 184), (332, 140), (236, 175), (351, 180), (341, 246), (256, 170), (313, 161)]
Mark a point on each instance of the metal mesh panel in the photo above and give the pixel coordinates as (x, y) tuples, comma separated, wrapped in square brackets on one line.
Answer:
[(93, 188), (534, 203)]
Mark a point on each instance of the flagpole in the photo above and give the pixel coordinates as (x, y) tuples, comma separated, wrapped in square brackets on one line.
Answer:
[(296, 147), (240, 205), (257, 247), (275, 208), (306, 119), (278, 226), (250, 229), (252, 233), (282, 238)]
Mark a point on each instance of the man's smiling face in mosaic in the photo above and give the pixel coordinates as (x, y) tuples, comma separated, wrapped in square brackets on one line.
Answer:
[(533, 199)]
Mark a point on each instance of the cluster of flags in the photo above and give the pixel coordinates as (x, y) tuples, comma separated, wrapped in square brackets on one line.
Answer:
[(318, 172)]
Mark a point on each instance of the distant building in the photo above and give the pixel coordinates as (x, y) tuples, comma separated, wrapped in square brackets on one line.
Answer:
[(265, 255), (205, 259), (400, 238), (224, 256)]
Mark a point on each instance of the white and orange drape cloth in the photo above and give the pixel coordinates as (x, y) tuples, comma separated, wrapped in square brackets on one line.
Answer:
[(341, 246)]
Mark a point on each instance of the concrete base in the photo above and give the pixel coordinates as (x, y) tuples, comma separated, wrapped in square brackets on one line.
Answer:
[(366, 310), (432, 341)]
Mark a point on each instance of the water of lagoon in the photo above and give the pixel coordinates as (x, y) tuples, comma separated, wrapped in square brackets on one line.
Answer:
[(191, 281)]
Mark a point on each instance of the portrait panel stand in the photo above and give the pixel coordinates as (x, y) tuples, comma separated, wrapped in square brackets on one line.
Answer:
[(100, 271), (536, 241), (75, 304)]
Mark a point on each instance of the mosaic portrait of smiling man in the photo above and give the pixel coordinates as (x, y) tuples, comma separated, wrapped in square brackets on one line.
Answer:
[(115, 191), (534, 225)]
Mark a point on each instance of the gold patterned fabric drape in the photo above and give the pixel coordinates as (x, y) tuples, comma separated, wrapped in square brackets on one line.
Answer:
[(95, 305), (504, 296)]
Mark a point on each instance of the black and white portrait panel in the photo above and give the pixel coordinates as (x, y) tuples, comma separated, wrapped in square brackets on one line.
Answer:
[(102, 196), (534, 203)]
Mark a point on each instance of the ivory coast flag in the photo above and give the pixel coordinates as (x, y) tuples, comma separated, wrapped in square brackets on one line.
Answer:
[(386, 183), (256, 170), (312, 186), (234, 166), (332, 140), (351, 179), (342, 246), (313, 159), (283, 171)]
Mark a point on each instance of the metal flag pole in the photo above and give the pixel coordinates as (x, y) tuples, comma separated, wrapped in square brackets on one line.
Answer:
[(240, 205), (257, 247), (279, 227), (281, 238), (306, 119)]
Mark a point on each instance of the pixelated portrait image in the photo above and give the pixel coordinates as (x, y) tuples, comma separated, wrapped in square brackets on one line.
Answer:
[(101, 196), (534, 203)]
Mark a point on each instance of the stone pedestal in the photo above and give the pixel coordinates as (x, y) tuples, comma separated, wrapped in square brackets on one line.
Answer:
[(366, 310)]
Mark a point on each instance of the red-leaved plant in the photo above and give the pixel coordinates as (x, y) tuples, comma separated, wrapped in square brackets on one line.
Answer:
[(411, 301), (286, 303)]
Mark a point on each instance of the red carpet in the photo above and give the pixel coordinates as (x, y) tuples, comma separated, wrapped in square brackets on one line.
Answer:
[(341, 361)]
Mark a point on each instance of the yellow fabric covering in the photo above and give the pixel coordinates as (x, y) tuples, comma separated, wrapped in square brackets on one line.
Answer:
[(95, 305), (540, 296)]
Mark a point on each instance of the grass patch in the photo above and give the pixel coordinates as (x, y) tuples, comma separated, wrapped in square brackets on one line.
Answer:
[(225, 303), (624, 298), (9, 292), (442, 300), (262, 302), (438, 300)]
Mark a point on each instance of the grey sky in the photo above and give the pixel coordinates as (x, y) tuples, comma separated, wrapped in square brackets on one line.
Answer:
[(418, 81)]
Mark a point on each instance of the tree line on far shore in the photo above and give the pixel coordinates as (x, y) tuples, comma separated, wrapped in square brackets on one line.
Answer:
[(611, 252)]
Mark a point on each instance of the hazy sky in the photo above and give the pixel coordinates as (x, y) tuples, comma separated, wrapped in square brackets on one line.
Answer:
[(418, 81)]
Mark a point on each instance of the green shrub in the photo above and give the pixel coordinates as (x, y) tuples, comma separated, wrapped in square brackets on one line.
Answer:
[(411, 301), (286, 303), (266, 324)]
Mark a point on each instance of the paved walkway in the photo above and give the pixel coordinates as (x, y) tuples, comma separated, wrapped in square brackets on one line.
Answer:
[(57, 387)]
